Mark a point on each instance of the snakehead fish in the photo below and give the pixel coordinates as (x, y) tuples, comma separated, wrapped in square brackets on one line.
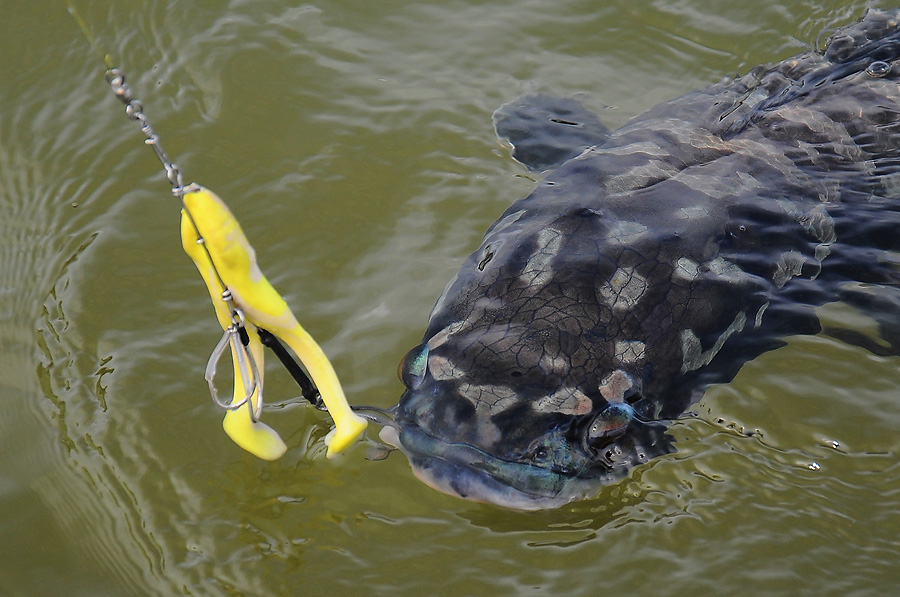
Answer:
[(651, 261)]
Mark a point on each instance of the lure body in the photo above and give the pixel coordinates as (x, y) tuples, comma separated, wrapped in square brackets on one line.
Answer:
[(235, 262)]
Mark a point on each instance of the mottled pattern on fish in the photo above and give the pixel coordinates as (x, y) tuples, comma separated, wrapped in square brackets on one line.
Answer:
[(689, 241)]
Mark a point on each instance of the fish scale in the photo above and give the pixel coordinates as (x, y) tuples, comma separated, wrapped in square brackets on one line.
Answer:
[(654, 262)]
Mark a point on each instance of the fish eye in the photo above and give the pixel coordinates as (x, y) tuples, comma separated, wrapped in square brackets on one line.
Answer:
[(411, 370), (610, 424)]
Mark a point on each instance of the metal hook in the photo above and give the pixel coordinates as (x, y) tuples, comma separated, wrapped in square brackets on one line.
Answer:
[(249, 374)]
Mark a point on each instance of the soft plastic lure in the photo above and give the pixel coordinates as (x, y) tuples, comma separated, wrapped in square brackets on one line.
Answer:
[(246, 304), (233, 262)]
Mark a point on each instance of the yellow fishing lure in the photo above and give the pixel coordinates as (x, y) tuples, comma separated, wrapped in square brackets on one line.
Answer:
[(229, 259), (235, 261)]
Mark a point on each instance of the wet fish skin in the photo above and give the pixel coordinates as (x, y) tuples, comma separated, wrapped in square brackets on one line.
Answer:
[(695, 237)]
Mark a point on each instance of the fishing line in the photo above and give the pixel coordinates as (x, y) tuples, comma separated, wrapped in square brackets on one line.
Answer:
[(235, 335)]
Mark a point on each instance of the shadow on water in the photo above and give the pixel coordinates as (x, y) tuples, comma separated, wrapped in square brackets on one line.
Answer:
[(572, 525)]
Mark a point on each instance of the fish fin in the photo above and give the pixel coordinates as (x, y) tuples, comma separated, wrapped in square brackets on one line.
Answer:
[(545, 131)]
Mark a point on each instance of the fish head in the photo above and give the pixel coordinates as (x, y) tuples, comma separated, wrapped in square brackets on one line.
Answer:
[(511, 435), (517, 397)]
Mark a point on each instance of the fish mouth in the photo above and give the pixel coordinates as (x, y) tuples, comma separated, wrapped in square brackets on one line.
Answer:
[(462, 470)]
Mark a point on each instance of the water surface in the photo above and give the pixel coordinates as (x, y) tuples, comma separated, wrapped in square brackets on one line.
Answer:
[(353, 141)]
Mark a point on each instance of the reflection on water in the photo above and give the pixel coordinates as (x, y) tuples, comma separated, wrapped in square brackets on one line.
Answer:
[(354, 143)]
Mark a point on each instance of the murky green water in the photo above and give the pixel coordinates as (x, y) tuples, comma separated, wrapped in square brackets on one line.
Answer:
[(353, 140)]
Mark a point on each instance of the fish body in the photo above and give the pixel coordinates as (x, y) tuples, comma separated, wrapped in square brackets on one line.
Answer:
[(651, 261)]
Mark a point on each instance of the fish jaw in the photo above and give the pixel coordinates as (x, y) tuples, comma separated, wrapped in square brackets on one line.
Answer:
[(461, 470), (542, 462)]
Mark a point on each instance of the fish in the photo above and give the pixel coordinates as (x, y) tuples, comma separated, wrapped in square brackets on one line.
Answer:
[(651, 261)]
